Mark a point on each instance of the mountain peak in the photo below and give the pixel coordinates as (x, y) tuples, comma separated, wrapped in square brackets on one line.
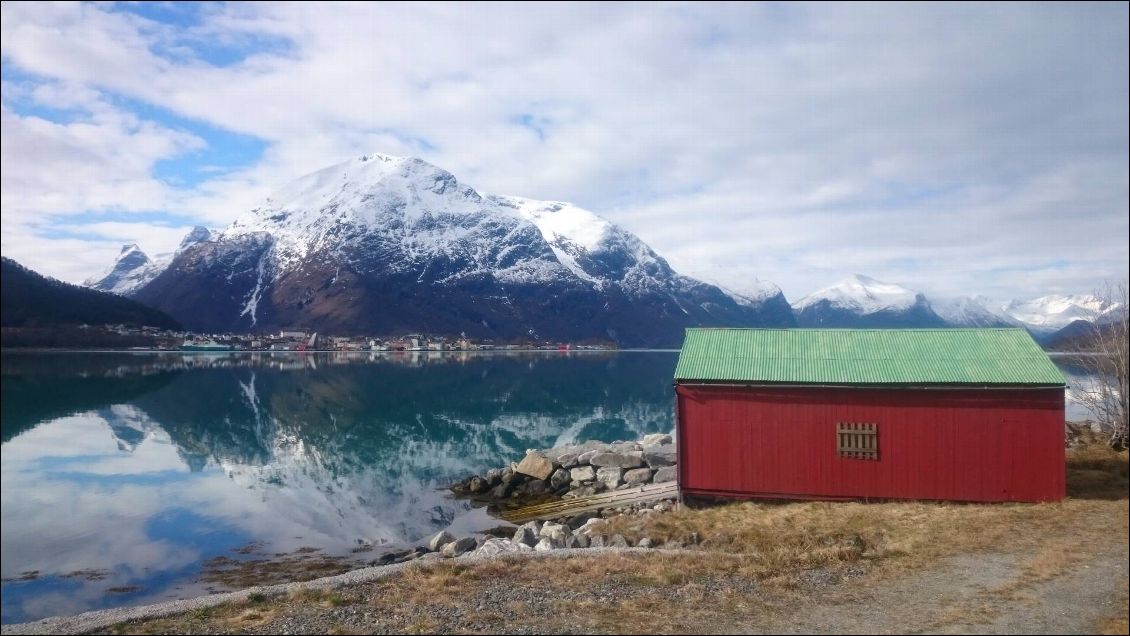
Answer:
[(862, 294)]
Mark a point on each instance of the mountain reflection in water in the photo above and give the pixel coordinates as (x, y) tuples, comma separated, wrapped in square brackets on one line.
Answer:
[(136, 468)]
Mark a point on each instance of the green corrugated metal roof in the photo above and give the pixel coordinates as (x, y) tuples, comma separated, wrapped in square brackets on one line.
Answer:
[(866, 356)]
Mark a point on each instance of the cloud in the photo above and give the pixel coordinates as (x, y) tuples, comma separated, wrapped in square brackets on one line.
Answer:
[(945, 146)]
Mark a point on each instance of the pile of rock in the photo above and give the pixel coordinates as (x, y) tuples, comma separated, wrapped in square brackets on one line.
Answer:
[(586, 530), (578, 470)]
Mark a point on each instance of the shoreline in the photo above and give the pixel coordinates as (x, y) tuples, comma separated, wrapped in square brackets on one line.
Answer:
[(100, 619)]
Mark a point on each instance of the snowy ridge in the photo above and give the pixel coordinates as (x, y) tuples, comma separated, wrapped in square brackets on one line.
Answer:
[(133, 269), (862, 295), (971, 311), (1051, 313)]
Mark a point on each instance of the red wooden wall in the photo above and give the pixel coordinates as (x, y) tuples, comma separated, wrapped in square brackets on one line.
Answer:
[(959, 444)]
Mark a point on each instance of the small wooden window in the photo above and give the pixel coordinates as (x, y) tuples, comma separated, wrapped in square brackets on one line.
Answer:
[(856, 440)]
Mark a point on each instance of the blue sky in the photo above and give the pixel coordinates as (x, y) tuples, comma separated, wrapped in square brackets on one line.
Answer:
[(957, 149)]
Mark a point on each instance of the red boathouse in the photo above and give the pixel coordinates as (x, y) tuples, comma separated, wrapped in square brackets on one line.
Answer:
[(955, 414)]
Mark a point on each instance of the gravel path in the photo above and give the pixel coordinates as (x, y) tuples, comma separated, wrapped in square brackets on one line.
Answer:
[(971, 594)]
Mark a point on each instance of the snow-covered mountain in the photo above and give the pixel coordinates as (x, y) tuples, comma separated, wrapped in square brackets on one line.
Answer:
[(862, 302), (384, 244), (971, 311), (133, 269), (1048, 314)]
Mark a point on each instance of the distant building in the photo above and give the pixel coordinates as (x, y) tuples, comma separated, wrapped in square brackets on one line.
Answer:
[(295, 335)]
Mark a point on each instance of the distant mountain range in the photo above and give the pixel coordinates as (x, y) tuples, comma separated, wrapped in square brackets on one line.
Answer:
[(386, 245), (30, 300)]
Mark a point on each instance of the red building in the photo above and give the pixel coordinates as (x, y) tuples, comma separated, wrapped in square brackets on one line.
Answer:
[(958, 414)]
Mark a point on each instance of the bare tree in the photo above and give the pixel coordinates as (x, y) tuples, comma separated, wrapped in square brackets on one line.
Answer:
[(1105, 346)]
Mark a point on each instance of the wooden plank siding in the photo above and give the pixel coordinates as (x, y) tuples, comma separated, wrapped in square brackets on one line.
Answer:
[(994, 444)]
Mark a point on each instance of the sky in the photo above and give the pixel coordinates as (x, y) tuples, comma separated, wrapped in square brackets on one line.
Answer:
[(953, 148)]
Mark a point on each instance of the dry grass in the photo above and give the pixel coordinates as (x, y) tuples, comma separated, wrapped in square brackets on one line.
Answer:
[(756, 562)]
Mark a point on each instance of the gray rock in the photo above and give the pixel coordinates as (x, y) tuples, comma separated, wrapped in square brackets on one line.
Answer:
[(655, 439), (536, 487), (586, 457), (536, 465), (493, 477), (459, 546), (665, 474), (477, 484), (568, 460), (572, 542), (545, 545), (494, 547), (581, 519), (582, 474), (624, 447), (582, 540), (440, 539), (598, 541), (502, 490), (673, 545), (505, 474), (657, 456), (617, 541), (555, 532), (559, 478), (644, 543), (609, 476), (617, 460), (637, 476), (525, 535), (583, 491)]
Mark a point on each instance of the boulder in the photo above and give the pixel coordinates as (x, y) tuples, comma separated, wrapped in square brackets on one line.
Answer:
[(609, 476), (559, 478), (586, 457), (477, 485), (440, 539), (555, 532), (581, 540), (644, 543), (598, 541), (535, 487), (637, 476), (459, 546), (536, 465), (526, 535), (581, 519), (624, 447), (545, 545), (567, 460), (658, 456), (493, 477), (582, 474), (617, 541), (655, 439), (665, 474), (617, 460), (502, 490), (495, 547)]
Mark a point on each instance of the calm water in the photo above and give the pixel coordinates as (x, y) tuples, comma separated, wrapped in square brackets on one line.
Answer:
[(143, 466), (140, 467)]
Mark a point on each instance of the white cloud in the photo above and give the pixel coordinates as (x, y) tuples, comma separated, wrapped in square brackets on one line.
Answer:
[(960, 148)]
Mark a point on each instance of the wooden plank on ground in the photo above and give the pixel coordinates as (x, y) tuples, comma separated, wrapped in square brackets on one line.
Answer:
[(611, 499)]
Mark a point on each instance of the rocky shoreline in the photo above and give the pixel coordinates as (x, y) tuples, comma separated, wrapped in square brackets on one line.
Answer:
[(563, 472)]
